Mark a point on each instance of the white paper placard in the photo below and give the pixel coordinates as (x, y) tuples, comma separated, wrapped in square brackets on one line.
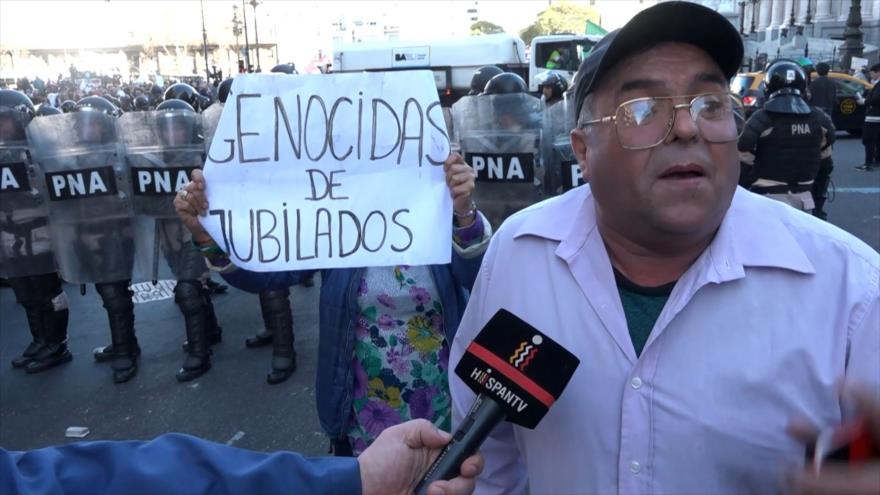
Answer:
[(330, 171)]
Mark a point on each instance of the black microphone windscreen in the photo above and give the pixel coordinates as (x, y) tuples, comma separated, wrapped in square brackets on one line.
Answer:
[(518, 366)]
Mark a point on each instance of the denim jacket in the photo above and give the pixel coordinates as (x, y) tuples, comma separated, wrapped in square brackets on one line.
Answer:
[(337, 315)]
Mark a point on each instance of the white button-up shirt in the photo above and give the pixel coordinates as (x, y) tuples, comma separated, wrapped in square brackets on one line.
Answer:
[(760, 329)]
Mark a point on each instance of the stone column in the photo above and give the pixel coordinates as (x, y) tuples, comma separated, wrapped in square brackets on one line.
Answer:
[(867, 10), (778, 15), (843, 13), (764, 14), (786, 15), (875, 9), (823, 10), (801, 9)]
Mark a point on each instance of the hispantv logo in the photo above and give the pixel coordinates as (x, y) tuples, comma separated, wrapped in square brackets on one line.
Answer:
[(523, 355), (493, 386)]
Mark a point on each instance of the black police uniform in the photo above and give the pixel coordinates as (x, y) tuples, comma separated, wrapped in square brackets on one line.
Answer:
[(787, 143), (871, 130)]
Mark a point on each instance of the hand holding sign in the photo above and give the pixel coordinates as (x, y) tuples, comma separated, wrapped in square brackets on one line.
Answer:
[(190, 203), (321, 171), (460, 178)]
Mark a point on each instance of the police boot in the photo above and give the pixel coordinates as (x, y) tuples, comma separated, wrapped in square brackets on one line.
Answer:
[(818, 211), (120, 315), (188, 296), (54, 333), (279, 319), (104, 353), (215, 332), (34, 318), (264, 336), (24, 290)]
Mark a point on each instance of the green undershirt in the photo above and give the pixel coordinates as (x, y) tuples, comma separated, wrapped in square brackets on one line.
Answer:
[(641, 306)]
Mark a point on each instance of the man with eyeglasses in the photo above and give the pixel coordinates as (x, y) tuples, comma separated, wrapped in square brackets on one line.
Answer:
[(787, 143), (705, 317)]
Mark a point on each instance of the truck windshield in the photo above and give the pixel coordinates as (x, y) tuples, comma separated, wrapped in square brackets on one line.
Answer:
[(562, 55)]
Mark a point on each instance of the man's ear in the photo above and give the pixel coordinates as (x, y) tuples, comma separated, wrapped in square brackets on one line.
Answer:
[(578, 138)]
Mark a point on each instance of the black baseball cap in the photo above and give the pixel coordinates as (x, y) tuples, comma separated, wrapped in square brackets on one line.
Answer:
[(684, 22)]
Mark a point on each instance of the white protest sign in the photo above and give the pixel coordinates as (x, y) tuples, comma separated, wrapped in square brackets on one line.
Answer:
[(330, 171), (857, 63)]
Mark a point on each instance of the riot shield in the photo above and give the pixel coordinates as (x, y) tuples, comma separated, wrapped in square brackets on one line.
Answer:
[(559, 120), (500, 137), (210, 119), (25, 241), (89, 196), (161, 149)]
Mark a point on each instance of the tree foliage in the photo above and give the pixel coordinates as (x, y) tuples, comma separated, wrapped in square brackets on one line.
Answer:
[(561, 17), (485, 27)]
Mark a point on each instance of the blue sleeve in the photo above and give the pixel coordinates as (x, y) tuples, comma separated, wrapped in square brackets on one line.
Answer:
[(256, 282), (465, 269), (171, 464)]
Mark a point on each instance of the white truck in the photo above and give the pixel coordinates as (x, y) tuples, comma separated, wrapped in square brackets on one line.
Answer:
[(454, 61)]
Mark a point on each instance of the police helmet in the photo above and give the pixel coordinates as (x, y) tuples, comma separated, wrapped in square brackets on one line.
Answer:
[(786, 76), (46, 110), (15, 107), (125, 103), (94, 122), (505, 83), (96, 104), (182, 91), (177, 123), (556, 82), (224, 89), (785, 83), (67, 106), (285, 68), (175, 105), (481, 77), (141, 103)]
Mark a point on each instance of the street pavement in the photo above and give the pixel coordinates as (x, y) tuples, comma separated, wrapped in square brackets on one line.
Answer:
[(232, 402)]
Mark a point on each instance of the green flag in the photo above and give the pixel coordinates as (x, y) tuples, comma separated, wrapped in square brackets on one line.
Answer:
[(593, 28)]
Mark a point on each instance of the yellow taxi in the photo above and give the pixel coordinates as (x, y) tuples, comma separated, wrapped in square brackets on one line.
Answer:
[(847, 115)]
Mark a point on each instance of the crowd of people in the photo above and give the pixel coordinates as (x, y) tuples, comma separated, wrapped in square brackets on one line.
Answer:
[(708, 318)]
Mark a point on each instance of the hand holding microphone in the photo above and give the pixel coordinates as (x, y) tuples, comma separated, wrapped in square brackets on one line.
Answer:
[(517, 373)]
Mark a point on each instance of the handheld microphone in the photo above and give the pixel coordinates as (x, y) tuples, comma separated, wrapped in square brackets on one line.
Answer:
[(517, 373)]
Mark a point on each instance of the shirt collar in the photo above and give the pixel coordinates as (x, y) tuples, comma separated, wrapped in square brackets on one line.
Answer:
[(751, 234)]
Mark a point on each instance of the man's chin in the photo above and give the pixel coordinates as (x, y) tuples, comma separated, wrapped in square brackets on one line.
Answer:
[(685, 220)]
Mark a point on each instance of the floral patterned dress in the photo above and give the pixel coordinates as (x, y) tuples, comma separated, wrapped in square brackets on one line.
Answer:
[(400, 354)]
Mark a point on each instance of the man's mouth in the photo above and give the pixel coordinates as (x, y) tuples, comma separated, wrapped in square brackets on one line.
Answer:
[(683, 172)]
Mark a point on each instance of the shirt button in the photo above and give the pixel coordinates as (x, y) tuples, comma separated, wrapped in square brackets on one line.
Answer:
[(636, 383), (635, 467)]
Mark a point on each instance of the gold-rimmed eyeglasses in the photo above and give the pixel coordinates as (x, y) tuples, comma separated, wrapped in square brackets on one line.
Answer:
[(643, 123)]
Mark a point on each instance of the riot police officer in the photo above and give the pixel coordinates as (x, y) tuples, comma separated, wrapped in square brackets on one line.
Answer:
[(552, 88), (141, 103), (277, 315), (179, 133), (23, 222), (91, 225), (67, 106), (499, 133), (481, 77), (785, 144), (274, 304), (45, 110), (185, 92)]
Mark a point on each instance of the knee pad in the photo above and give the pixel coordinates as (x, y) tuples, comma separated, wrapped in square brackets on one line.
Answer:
[(116, 296), (274, 300), (188, 296)]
